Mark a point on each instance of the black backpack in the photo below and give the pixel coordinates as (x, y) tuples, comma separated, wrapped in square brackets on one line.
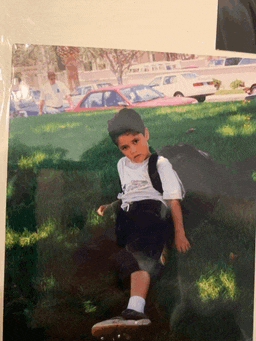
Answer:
[(153, 173), (198, 172)]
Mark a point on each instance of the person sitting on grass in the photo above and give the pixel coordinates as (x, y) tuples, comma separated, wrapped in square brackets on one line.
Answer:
[(141, 226)]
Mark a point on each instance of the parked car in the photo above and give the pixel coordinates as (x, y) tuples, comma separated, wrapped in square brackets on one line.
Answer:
[(131, 96), (231, 61), (154, 67), (247, 61), (224, 61), (216, 62), (188, 84), (82, 90), (24, 107), (36, 95)]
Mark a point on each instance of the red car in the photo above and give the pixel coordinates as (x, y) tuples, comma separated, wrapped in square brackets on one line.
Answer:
[(131, 96)]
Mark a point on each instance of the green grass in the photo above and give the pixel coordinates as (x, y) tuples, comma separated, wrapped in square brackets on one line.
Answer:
[(230, 92), (66, 136), (254, 176), (219, 283), (223, 129), (27, 238), (61, 167)]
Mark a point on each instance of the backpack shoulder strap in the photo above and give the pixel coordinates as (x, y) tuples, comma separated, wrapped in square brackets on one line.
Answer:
[(153, 173)]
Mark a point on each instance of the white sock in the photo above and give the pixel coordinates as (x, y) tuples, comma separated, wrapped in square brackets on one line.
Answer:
[(136, 303)]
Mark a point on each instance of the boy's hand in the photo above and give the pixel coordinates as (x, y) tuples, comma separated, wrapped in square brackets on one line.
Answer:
[(102, 209), (181, 242)]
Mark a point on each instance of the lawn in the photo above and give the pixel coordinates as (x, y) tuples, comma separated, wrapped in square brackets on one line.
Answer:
[(61, 168), (230, 92), (223, 129)]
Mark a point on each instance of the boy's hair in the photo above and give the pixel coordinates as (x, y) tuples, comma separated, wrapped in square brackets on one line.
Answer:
[(125, 121)]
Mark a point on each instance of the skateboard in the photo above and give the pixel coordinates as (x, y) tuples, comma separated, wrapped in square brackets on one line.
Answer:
[(119, 329)]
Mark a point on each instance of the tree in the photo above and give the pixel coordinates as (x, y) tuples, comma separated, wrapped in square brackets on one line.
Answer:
[(88, 56), (42, 56), (119, 60), (48, 57), (70, 56), (24, 55)]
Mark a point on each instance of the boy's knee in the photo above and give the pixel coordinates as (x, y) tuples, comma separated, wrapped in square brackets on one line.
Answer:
[(147, 264)]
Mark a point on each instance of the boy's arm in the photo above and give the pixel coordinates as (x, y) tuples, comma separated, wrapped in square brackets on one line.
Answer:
[(41, 105), (102, 209), (181, 241)]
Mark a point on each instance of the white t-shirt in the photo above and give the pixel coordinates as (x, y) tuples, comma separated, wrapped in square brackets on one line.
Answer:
[(53, 94), (136, 183), (23, 92)]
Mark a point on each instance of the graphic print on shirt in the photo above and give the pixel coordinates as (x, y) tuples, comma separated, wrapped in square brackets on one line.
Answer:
[(135, 185)]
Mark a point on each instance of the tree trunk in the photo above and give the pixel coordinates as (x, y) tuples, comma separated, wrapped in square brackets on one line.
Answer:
[(119, 79), (69, 55)]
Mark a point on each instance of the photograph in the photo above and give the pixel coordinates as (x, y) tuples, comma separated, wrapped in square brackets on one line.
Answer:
[(130, 199), (80, 255)]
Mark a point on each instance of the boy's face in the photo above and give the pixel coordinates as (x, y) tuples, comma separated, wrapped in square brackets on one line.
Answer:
[(135, 146)]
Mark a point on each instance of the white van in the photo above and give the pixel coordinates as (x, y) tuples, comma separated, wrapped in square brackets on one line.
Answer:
[(154, 67)]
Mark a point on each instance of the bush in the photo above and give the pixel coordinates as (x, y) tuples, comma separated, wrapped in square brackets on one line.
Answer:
[(217, 83), (236, 84)]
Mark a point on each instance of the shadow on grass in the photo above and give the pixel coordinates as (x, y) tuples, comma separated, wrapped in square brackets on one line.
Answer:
[(20, 296)]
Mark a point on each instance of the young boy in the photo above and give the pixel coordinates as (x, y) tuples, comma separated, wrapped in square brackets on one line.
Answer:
[(141, 224)]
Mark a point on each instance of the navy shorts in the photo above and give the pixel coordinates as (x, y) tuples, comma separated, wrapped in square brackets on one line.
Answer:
[(143, 231)]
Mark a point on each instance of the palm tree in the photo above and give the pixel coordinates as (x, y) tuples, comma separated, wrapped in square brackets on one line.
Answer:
[(70, 56)]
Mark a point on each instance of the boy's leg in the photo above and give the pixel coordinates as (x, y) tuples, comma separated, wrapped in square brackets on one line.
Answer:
[(140, 281), (144, 243), (146, 250), (133, 317)]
